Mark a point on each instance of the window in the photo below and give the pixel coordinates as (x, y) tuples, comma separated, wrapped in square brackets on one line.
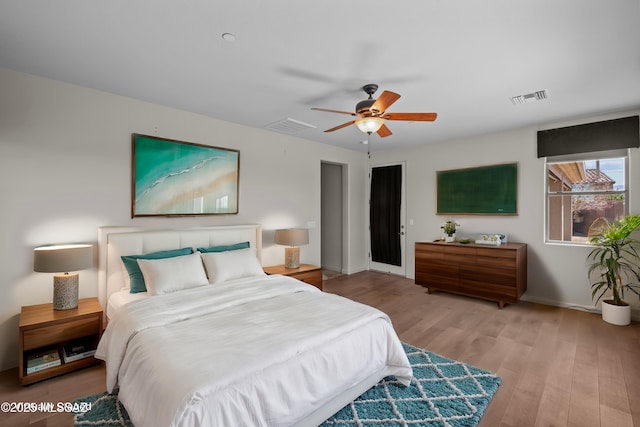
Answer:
[(583, 191)]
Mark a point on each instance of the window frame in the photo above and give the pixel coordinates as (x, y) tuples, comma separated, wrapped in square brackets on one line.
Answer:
[(582, 157)]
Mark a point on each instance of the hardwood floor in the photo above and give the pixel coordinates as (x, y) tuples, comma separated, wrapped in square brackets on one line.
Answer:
[(559, 367), (63, 389)]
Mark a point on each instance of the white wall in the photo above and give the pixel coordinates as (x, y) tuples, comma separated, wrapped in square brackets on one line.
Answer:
[(65, 170), (556, 273)]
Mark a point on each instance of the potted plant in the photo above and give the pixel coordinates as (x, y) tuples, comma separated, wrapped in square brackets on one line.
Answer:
[(449, 229), (614, 265)]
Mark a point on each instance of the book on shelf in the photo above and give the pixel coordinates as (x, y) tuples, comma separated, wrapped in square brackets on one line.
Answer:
[(77, 350), (42, 360)]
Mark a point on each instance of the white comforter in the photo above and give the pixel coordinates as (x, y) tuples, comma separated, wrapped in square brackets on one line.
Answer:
[(265, 351)]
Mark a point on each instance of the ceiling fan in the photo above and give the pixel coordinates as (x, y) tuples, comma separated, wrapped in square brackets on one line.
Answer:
[(372, 113)]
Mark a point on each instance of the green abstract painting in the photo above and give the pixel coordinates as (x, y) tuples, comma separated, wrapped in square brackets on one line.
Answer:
[(177, 178)]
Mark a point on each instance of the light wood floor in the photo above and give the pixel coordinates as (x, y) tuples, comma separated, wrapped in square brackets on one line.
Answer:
[(559, 367)]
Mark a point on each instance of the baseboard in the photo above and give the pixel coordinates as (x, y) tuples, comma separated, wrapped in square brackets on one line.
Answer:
[(332, 268), (5, 365), (635, 313), (353, 270)]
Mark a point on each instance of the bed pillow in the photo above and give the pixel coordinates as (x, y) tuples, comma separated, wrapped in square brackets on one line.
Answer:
[(135, 275), (225, 248), (223, 266), (166, 275)]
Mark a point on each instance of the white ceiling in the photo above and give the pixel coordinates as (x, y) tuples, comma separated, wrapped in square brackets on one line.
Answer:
[(461, 59)]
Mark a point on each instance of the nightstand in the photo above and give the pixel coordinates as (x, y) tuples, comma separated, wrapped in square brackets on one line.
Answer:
[(45, 330), (311, 274)]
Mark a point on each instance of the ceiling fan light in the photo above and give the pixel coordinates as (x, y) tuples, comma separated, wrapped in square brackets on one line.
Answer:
[(369, 124)]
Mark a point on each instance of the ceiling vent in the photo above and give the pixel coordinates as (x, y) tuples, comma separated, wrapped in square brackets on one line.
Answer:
[(289, 126), (530, 97)]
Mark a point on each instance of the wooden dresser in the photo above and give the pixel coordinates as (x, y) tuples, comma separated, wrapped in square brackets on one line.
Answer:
[(495, 273)]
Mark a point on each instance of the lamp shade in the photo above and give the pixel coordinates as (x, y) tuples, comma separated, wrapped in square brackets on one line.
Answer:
[(369, 124), (62, 258), (292, 237)]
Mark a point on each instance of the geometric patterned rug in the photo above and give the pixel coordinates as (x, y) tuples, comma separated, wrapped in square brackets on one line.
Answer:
[(443, 393), (106, 410)]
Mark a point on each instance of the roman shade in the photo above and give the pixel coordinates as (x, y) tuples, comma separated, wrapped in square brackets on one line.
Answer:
[(599, 136)]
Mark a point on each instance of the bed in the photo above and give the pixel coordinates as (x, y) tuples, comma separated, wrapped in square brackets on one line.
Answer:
[(243, 348)]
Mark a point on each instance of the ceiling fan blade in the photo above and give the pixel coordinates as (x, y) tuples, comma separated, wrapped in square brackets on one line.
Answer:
[(344, 125), (384, 131), (411, 117), (333, 111), (384, 101)]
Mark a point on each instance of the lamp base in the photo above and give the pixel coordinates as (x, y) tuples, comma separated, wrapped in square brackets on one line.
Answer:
[(292, 257), (65, 291)]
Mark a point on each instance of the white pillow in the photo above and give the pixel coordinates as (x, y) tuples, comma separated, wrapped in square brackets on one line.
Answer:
[(223, 266), (172, 274)]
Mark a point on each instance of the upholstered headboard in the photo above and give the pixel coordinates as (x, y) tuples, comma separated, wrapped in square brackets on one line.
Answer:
[(113, 242)]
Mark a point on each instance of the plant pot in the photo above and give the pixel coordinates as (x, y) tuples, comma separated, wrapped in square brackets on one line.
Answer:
[(616, 314), (450, 238)]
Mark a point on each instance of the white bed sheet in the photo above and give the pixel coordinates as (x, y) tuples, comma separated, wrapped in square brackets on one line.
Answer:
[(120, 298), (264, 351)]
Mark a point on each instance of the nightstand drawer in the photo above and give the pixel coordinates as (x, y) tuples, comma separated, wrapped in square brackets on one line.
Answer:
[(69, 330)]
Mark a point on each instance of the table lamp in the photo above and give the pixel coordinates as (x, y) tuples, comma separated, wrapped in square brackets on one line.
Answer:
[(63, 259), (292, 237)]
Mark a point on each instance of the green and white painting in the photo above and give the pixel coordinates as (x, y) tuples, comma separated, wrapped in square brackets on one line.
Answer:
[(181, 178)]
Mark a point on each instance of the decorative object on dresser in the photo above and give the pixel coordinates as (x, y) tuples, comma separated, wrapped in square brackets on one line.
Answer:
[(449, 230), (311, 274), (63, 259), (48, 337), (495, 273), (292, 237)]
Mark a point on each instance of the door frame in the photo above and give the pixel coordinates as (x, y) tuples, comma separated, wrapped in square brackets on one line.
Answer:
[(377, 266)]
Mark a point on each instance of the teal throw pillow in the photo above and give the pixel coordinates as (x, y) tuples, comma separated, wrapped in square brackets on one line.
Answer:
[(135, 275), (225, 248)]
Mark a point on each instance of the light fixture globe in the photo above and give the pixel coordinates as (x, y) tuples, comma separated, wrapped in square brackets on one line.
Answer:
[(369, 124)]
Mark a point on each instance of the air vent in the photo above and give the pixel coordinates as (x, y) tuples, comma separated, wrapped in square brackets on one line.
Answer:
[(289, 126), (530, 97)]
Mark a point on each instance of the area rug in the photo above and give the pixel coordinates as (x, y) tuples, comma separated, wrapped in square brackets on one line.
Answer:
[(443, 393)]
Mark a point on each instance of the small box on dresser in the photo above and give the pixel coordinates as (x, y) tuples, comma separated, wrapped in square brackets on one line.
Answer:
[(496, 273)]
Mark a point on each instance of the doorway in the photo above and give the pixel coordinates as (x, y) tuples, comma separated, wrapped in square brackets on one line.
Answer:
[(332, 216), (387, 237)]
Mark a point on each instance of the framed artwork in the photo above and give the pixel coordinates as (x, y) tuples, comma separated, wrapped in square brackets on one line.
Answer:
[(177, 178), (484, 190)]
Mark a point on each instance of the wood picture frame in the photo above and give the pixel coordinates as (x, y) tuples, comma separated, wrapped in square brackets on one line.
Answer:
[(179, 178)]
